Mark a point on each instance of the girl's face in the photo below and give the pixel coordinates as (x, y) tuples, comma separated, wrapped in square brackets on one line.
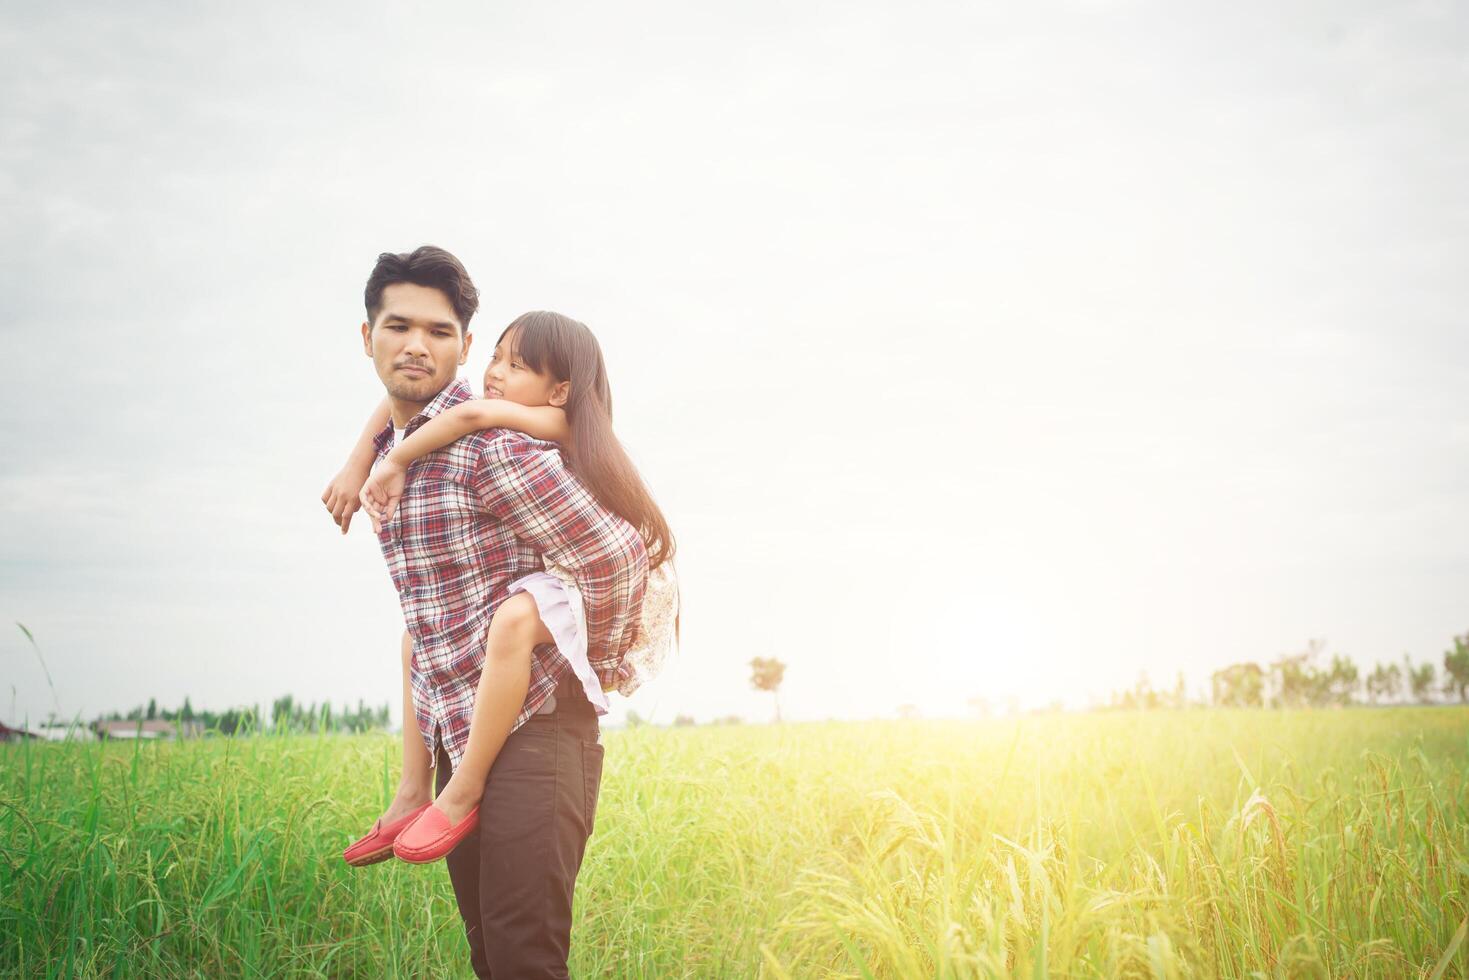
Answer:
[(511, 378)]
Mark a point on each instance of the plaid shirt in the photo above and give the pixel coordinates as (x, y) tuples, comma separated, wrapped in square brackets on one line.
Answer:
[(474, 517)]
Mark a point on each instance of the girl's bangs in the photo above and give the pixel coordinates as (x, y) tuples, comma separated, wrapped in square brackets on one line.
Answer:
[(533, 342)]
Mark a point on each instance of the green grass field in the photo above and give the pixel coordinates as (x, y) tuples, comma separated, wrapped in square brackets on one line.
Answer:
[(1202, 843)]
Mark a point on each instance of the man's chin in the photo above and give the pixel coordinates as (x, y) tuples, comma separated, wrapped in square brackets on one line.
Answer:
[(415, 389)]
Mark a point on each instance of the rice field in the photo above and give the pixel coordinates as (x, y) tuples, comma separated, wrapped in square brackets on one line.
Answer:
[(1165, 844)]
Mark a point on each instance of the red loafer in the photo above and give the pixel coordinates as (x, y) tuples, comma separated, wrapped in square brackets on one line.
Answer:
[(377, 845), (430, 836)]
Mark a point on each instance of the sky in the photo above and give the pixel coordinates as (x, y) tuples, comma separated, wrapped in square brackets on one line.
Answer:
[(973, 351)]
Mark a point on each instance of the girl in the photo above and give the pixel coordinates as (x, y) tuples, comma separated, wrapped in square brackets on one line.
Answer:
[(546, 378)]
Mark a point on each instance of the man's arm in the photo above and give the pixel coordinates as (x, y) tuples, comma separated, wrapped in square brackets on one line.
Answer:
[(529, 489)]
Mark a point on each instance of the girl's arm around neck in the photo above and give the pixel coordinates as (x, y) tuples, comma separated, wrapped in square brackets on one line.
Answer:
[(342, 495), (539, 421), (365, 452)]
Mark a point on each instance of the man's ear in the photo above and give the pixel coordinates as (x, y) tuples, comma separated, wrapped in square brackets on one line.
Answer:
[(464, 351), (560, 393), (367, 337)]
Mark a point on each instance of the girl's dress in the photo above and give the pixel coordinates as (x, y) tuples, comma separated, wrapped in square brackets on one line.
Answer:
[(657, 629), (560, 605)]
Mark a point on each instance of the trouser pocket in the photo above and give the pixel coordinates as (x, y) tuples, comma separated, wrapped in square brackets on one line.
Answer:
[(592, 754)]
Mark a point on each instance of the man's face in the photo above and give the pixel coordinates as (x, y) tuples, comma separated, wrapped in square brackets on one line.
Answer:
[(416, 343)]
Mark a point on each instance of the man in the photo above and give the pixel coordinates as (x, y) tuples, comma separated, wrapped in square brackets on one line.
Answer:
[(474, 517)]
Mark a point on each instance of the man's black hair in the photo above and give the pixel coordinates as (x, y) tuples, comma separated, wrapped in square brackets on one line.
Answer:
[(427, 266)]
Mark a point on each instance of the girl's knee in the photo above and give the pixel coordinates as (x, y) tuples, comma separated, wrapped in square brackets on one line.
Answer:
[(518, 614), (514, 627)]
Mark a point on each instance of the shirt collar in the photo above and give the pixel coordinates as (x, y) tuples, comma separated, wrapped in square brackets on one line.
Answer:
[(454, 392)]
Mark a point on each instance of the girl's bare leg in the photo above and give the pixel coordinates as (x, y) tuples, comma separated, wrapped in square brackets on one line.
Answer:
[(514, 632), (413, 788)]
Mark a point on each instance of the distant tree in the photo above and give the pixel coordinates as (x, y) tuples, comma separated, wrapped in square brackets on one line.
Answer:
[(282, 711), (1142, 696), (1341, 682), (186, 713), (152, 710), (1293, 677), (1384, 683), (908, 712), (1456, 667), (1420, 681), (683, 721), (766, 673), (728, 720), (635, 720), (1239, 686), (980, 706), (1288, 681), (1180, 693)]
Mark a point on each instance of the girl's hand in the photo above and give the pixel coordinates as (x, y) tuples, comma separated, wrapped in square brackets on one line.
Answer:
[(341, 494), (382, 490)]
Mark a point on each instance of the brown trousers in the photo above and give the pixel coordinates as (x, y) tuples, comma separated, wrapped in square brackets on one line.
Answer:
[(514, 877)]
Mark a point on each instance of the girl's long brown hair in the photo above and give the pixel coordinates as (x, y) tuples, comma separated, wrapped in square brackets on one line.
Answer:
[(566, 349)]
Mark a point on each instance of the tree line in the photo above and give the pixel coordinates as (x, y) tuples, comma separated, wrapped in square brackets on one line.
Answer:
[(1305, 679), (1309, 679), (286, 715)]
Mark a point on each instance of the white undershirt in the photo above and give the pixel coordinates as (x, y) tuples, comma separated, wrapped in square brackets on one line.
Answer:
[(397, 438)]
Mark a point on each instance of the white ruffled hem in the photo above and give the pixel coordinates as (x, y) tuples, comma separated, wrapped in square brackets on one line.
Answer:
[(560, 605)]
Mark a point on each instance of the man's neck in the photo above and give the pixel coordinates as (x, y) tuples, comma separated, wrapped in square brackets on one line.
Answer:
[(402, 411)]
